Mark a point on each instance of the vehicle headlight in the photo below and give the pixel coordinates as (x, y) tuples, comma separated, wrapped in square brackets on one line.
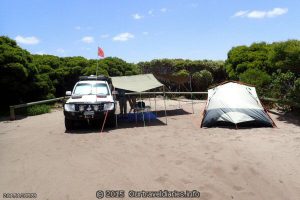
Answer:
[(69, 107), (81, 108), (96, 107), (108, 106)]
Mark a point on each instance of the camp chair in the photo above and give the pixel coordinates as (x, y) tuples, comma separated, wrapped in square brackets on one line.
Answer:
[(140, 107)]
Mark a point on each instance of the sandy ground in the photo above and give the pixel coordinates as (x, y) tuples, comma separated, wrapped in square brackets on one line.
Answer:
[(36, 155)]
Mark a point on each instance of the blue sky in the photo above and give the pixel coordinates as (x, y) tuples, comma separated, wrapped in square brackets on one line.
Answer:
[(137, 30)]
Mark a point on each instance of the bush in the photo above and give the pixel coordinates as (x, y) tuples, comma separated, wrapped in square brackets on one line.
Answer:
[(282, 85), (38, 109), (296, 91)]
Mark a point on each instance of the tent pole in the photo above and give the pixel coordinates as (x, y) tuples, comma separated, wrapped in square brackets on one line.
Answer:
[(165, 105)]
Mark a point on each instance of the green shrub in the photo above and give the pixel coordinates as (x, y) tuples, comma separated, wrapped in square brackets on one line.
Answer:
[(282, 85), (38, 109), (182, 73)]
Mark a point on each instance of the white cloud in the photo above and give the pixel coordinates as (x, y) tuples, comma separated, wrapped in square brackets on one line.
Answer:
[(259, 14), (27, 40), (163, 10), (256, 14), (145, 33), (277, 11), (87, 39), (137, 16), (241, 13), (104, 35), (123, 37)]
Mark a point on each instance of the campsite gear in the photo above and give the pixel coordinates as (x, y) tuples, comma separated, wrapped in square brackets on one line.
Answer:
[(140, 104), (234, 103), (139, 84)]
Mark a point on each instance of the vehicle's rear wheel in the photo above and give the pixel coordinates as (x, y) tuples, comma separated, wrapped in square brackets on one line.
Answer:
[(69, 124)]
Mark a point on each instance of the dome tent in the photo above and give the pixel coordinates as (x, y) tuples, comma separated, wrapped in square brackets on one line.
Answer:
[(234, 103)]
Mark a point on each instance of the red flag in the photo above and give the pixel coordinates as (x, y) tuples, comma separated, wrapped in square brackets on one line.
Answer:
[(100, 52)]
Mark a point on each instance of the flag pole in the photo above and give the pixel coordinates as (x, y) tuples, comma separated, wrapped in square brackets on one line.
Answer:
[(97, 68), (97, 62)]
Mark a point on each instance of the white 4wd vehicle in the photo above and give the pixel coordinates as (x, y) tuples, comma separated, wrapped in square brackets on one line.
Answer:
[(90, 99)]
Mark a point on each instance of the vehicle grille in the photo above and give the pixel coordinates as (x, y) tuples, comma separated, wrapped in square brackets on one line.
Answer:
[(89, 107)]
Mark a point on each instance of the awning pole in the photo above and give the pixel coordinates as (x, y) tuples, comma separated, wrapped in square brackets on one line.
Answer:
[(115, 104), (116, 115), (150, 108), (142, 109), (155, 104), (165, 105)]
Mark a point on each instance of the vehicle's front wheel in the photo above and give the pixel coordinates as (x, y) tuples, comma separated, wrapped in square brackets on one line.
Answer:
[(69, 124), (111, 121)]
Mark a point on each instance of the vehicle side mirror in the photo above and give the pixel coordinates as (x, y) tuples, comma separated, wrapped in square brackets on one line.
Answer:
[(115, 92), (68, 93)]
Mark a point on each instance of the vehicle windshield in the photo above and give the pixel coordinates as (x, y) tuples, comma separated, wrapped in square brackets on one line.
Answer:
[(87, 88)]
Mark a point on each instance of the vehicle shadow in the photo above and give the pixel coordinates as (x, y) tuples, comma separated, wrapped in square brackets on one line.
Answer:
[(132, 120), (84, 127)]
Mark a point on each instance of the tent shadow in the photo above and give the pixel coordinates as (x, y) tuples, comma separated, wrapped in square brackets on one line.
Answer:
[(287, 117), (232, 127), (239, 126)]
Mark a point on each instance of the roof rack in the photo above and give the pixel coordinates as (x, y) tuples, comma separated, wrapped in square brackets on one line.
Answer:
[(94, 78)]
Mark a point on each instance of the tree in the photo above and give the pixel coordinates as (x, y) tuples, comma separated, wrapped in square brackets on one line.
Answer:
[(286, 56), (202, 79), (14, 72)]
